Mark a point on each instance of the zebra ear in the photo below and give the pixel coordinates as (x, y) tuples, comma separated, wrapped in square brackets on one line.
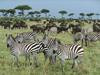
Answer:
[(45, 35), (12, 36)]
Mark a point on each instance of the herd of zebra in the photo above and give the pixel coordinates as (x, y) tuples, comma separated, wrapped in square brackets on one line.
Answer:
[(28, 45), (50, 47)]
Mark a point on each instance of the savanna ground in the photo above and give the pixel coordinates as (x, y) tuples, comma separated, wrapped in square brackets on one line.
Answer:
[(90, 65)]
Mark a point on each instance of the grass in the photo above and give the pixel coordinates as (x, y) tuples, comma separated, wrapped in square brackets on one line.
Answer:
[(90, 66)]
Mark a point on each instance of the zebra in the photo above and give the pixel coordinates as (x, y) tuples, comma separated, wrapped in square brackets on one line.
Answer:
[(26, 36), (25, 49), (73, 52), (91, 37), (80, 36), (51, 44)]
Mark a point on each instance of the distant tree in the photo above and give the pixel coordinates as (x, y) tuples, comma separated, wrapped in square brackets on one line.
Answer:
[(90, 15), (22, 8), (82, 15), (31, 13), (45, 11), (71, 15), (11, 12), (20, 13), (4, 12), (37, 14), (63, 12)]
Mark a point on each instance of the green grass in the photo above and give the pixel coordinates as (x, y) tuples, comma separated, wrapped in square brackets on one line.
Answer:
[(90, 66)]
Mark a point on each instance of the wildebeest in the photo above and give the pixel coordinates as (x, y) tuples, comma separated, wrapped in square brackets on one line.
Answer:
[(96, 27), (38, 28), (75, 28), (19, 24)]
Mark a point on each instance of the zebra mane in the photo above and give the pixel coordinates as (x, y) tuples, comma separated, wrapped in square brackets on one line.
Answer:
[(45, 36), (11, 37)]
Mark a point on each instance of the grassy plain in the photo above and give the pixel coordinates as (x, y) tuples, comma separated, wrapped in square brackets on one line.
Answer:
[(90, 66)]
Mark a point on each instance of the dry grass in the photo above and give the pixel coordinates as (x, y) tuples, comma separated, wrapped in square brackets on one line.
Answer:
[(90, 66)]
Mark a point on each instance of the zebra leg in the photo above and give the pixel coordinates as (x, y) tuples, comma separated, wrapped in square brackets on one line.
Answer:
[(45, 55), (50, 60), (16, 60), (75, 63), (27, 59), (35, 59), (53, 59), (62, 64)]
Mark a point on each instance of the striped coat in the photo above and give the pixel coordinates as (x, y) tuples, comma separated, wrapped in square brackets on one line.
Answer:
[(25, 37), (73, 52), (25, 49)]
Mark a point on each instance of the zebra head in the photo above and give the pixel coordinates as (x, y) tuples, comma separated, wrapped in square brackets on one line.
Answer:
[(56, 43), (45, 38), (19, 39), (10, 40)]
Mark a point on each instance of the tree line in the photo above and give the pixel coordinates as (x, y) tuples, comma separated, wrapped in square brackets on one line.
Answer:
[(23, 8)]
